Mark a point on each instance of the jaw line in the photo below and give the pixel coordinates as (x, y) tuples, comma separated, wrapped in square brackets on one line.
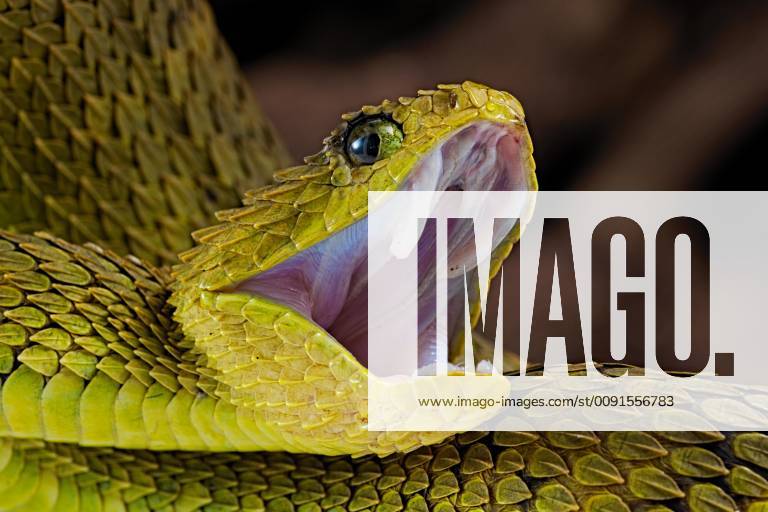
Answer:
[(327, 282)]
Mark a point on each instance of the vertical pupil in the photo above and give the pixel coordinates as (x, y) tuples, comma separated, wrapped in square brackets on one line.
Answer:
[(372, 144)]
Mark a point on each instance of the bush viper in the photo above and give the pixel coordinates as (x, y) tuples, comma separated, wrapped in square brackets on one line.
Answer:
[(127, 385)]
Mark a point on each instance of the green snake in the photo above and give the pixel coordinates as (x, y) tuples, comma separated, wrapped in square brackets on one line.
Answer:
[(128, 384)]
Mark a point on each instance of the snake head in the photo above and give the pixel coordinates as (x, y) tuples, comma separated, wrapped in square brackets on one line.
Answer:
[(274, 298)]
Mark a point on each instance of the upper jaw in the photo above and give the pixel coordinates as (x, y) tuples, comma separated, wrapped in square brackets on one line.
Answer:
[(327, 282), (481, 156)]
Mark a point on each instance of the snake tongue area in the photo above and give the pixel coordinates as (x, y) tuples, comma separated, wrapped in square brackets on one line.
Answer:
[(328, 282)]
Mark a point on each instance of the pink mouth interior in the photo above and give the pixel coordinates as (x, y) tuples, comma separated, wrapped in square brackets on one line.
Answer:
[(328, 282)]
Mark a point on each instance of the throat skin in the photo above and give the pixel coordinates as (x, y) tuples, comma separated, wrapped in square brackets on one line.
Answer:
[(322, 280)]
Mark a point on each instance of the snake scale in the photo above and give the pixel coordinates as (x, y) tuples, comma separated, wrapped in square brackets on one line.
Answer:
[(124, 125)]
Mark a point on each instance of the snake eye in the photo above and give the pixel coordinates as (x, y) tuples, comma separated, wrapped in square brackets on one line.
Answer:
[(373, 140)]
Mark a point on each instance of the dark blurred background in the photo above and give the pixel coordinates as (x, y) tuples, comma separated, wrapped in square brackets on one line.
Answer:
[(619, 94)]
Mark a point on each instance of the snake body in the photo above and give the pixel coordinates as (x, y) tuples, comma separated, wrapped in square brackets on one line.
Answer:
[(128, 385)]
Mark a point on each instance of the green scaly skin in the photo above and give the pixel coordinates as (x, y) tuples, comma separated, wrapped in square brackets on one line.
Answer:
[(123, 123), (127, 124)]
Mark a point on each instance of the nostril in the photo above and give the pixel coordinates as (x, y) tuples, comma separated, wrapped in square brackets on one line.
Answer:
[(458, 187)]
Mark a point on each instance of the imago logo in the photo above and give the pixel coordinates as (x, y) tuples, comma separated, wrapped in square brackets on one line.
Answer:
[(555, 261), (609, 310)]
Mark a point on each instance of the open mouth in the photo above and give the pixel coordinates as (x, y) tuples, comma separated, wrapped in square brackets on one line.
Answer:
[(328, 282)]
